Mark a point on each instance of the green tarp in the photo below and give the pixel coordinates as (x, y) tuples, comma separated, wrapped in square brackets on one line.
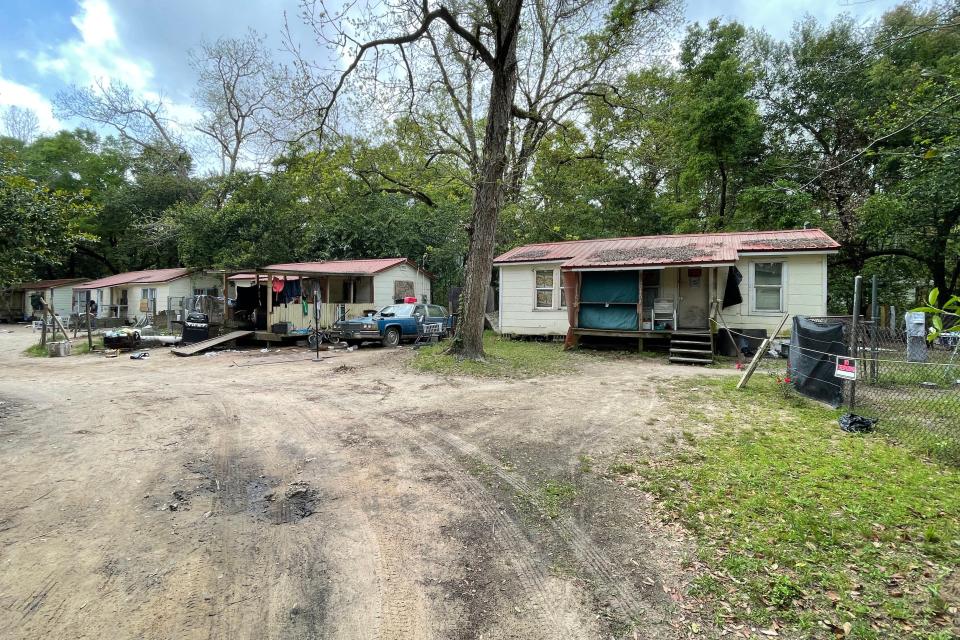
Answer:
[(608, 300), (610, 286), (620, 317)]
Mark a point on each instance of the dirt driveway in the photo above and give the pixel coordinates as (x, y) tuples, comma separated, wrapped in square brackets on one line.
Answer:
[(234, 497)]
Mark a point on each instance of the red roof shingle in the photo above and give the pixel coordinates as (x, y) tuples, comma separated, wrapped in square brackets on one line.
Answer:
[(693, 248)]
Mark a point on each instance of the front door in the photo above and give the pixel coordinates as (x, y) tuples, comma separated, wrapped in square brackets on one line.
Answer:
[(692, 307)]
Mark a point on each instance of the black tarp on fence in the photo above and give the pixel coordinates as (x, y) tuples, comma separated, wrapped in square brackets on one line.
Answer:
[(813, 350)]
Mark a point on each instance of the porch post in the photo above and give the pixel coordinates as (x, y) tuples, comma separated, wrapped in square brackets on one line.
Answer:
[(640, 309), (269, 299)]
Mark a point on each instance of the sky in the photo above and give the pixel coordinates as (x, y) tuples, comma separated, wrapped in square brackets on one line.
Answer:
[(47, 46)]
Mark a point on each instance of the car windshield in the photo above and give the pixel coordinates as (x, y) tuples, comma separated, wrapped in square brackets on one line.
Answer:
[(397, 310)]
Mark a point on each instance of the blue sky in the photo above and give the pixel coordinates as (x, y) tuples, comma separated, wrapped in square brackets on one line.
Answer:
[(47, 45)]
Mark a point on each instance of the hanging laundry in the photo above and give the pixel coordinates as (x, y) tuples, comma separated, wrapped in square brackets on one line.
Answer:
[(291, 290)]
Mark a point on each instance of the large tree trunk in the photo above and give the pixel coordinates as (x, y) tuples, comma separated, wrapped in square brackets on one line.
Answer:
[(488, 195)]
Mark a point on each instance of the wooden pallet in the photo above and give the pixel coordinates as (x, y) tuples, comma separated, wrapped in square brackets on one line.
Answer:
[(197, 347)]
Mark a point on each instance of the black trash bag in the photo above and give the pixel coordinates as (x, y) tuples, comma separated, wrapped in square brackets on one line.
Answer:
[(852, 423)]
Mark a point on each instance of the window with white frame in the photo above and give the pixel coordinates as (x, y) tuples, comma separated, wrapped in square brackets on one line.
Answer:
[(767, 287), (544, 283)]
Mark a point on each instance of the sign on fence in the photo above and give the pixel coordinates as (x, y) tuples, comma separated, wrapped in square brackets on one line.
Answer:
[(846, 368)]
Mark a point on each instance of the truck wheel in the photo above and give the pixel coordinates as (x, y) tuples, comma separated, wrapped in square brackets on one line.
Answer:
[(392, 337)]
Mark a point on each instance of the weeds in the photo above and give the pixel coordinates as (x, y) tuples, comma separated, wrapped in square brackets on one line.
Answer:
[(826, 533), (505, 358)]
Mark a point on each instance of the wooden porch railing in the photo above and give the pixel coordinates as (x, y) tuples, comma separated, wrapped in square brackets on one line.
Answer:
[(329, 313)]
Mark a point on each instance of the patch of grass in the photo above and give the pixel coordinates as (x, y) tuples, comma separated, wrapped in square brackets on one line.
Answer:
[(585, 463), (79, 348), (505, 358), (623, 468), (802, 523), (553, 497), (36, 351)]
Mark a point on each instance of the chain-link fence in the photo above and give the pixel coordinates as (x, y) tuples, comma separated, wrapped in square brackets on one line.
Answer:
[(179, 306), (909, 384)]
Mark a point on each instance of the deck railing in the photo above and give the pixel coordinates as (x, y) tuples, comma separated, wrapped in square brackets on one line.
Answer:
[(329, 313)]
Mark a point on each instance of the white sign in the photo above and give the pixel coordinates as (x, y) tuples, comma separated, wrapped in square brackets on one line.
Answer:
[(846, 368)]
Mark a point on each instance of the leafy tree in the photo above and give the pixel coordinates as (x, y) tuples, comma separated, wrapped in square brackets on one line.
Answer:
[(37, 226), (724, 131)]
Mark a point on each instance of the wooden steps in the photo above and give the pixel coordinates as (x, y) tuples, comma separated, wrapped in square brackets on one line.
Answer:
[(691, 347), (197, 347)]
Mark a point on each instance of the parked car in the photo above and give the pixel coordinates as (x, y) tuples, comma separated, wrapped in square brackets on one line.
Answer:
[(392, 324)]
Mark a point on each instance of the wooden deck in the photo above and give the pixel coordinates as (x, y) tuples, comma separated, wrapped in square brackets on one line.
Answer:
[(643, 333), (686, 346)]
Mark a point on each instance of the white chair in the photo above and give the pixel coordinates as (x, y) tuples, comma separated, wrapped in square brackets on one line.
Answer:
[(664, 310)]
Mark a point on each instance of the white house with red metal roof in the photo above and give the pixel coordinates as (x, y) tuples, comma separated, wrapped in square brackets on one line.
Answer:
[(676, 287), (134, 295), (22, 300), (346, 288)]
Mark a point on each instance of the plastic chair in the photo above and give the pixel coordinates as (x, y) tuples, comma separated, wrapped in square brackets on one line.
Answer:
[(664, 309)]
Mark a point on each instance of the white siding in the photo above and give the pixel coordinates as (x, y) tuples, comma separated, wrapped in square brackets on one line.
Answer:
[(61, 298), (804, 292), (518, 314), (383, 284), (179, 288)]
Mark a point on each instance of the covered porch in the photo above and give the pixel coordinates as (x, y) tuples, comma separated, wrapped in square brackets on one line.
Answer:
[(669, 306), (279, 302)]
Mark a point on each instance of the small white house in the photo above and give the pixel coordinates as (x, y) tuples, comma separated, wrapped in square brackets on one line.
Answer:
[(134, 295), (346, 288), (23, 300), (657, 286)]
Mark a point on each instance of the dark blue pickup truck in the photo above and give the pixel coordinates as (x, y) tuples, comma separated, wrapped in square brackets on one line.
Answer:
[(392, 324)]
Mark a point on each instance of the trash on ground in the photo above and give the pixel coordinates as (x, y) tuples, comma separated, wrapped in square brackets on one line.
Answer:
[(852, 423), (140, 355)]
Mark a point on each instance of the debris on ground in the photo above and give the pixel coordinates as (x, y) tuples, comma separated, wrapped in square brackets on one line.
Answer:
[(852, 423)]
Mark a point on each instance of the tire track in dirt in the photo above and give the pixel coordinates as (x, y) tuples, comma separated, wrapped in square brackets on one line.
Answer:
[(230, 559), (510, 540), (602, 570), (398, 596)]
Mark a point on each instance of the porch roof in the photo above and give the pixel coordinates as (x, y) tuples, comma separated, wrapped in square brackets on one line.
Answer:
[(666, 250), (361, 267), (47, 284)]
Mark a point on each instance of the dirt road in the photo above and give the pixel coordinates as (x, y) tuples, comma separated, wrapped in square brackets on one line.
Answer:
[(235, 497)]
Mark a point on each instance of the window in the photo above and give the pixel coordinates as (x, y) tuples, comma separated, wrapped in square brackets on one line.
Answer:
[(768, 287), (436, 311), (212, 292), (544, 286), (148, 294), (563, 295)]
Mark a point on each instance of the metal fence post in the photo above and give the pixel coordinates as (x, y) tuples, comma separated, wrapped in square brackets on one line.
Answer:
[(874, 319), (857, 292)]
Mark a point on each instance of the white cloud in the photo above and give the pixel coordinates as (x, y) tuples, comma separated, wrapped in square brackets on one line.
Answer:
[(97, 54), (20, 95)]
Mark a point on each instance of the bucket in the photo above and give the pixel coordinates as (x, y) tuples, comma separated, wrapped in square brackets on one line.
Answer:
[(58, 349)]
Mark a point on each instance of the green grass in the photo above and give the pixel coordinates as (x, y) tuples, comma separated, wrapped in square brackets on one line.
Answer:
[(553, 497), (36, 351), (505, 358), (799, 522), (79, 348)]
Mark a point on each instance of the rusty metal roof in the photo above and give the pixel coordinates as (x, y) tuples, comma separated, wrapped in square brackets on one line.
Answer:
[(366, 266), (692, 248), (136, 277), (48, 284)]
